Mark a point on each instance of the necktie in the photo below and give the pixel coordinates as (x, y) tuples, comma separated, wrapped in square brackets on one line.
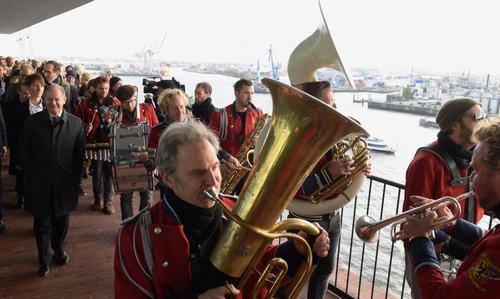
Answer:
[(55, 120)]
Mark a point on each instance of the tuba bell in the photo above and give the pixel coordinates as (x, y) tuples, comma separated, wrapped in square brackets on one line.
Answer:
[(318, 51), (296, 139), (315, 52)]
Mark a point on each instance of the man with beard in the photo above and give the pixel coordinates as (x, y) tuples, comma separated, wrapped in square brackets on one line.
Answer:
[(235, 122), (440, 169), (133, 114), (164, 252), (479, 274), (97, 118), (203, 107)]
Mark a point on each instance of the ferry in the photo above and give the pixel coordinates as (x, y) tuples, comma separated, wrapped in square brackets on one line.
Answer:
[(428, 123), (378, 145)]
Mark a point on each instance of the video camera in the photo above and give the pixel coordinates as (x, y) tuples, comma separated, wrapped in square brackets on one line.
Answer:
[(152, 84)]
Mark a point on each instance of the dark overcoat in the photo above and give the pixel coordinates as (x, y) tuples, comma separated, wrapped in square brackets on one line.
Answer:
[(51, 157), (18, 112)]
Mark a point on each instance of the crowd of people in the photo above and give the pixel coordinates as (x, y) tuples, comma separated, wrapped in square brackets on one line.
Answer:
[(51, 114)]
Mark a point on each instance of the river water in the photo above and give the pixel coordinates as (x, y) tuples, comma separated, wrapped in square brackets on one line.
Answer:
[(399, 130)]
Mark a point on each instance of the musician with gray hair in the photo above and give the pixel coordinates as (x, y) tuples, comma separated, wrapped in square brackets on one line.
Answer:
[(479, 274), (164, 251)]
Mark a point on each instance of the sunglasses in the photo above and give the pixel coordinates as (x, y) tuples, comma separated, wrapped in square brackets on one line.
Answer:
[(476, 116)]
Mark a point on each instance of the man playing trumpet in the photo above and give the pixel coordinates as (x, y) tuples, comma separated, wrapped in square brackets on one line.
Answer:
[(479, 274), (440, 169)]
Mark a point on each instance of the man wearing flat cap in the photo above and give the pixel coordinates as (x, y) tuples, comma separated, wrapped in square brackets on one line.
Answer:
[(440, 169), (133, 114)]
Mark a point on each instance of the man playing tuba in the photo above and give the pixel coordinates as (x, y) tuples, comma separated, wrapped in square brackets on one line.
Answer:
[(326, 171), (164, 251)]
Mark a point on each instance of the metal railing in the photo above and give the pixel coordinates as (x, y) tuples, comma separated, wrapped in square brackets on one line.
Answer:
[(364, 270)]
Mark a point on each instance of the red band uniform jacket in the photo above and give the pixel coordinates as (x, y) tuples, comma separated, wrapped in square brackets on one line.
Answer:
[(228, 126)]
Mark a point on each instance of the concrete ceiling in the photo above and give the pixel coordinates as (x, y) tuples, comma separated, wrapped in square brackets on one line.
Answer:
[(16, 15)]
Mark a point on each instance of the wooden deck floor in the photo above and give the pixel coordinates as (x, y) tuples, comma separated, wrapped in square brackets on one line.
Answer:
[(90, 244)]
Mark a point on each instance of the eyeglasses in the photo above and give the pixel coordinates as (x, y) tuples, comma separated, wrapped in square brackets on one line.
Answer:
[(476, 116)]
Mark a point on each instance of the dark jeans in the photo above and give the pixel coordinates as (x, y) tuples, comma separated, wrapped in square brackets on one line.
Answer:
[(126, 202), (411, 277), (318, 283), (50, 231), (20, 185), (102, 184), (1, 193)]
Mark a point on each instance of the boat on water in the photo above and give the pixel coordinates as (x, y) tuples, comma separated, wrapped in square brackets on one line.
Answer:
[(258, 86), (428, 123), (378, 145)]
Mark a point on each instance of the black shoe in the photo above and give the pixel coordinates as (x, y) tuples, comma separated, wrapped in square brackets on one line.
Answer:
[(3, 227), (20, 203), (44, 271), (61, 258), (81, 192)]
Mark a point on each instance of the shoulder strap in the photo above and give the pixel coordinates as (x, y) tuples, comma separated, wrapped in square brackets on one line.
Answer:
[(456, 180), (223, 124), (144, 221), (149, 261)]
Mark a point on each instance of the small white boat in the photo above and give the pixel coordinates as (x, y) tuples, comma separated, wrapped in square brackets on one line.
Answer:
[(428, 123), (259, 87), (379, 145)]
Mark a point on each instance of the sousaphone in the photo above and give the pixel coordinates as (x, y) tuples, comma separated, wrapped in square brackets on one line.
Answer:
[(318, 51)]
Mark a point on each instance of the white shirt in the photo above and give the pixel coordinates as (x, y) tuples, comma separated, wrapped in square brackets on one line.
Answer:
[(35, 109)]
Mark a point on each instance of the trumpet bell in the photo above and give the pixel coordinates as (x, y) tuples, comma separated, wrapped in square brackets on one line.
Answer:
[(363, 231)]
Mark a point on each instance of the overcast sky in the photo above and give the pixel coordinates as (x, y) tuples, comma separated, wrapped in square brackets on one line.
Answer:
[(435, 35)]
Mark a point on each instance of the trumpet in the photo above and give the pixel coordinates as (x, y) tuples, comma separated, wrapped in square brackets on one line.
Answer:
[(367, 229)]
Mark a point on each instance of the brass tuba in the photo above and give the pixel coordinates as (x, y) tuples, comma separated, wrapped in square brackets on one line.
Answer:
[(231, 177), (317, 51), (297, 138)]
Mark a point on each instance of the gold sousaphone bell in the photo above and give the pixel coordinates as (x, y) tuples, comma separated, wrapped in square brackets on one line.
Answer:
[(315, 52)]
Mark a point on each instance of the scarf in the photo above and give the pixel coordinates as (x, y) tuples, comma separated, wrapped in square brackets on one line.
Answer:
[(461, 156), (199, 223), (203, 110), (202, 228)]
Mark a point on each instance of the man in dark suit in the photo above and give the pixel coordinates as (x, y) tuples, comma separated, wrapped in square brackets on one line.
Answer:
[(51, 152), (3, 152)]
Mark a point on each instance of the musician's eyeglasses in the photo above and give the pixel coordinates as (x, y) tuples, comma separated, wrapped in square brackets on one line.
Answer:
[(476, 116)]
